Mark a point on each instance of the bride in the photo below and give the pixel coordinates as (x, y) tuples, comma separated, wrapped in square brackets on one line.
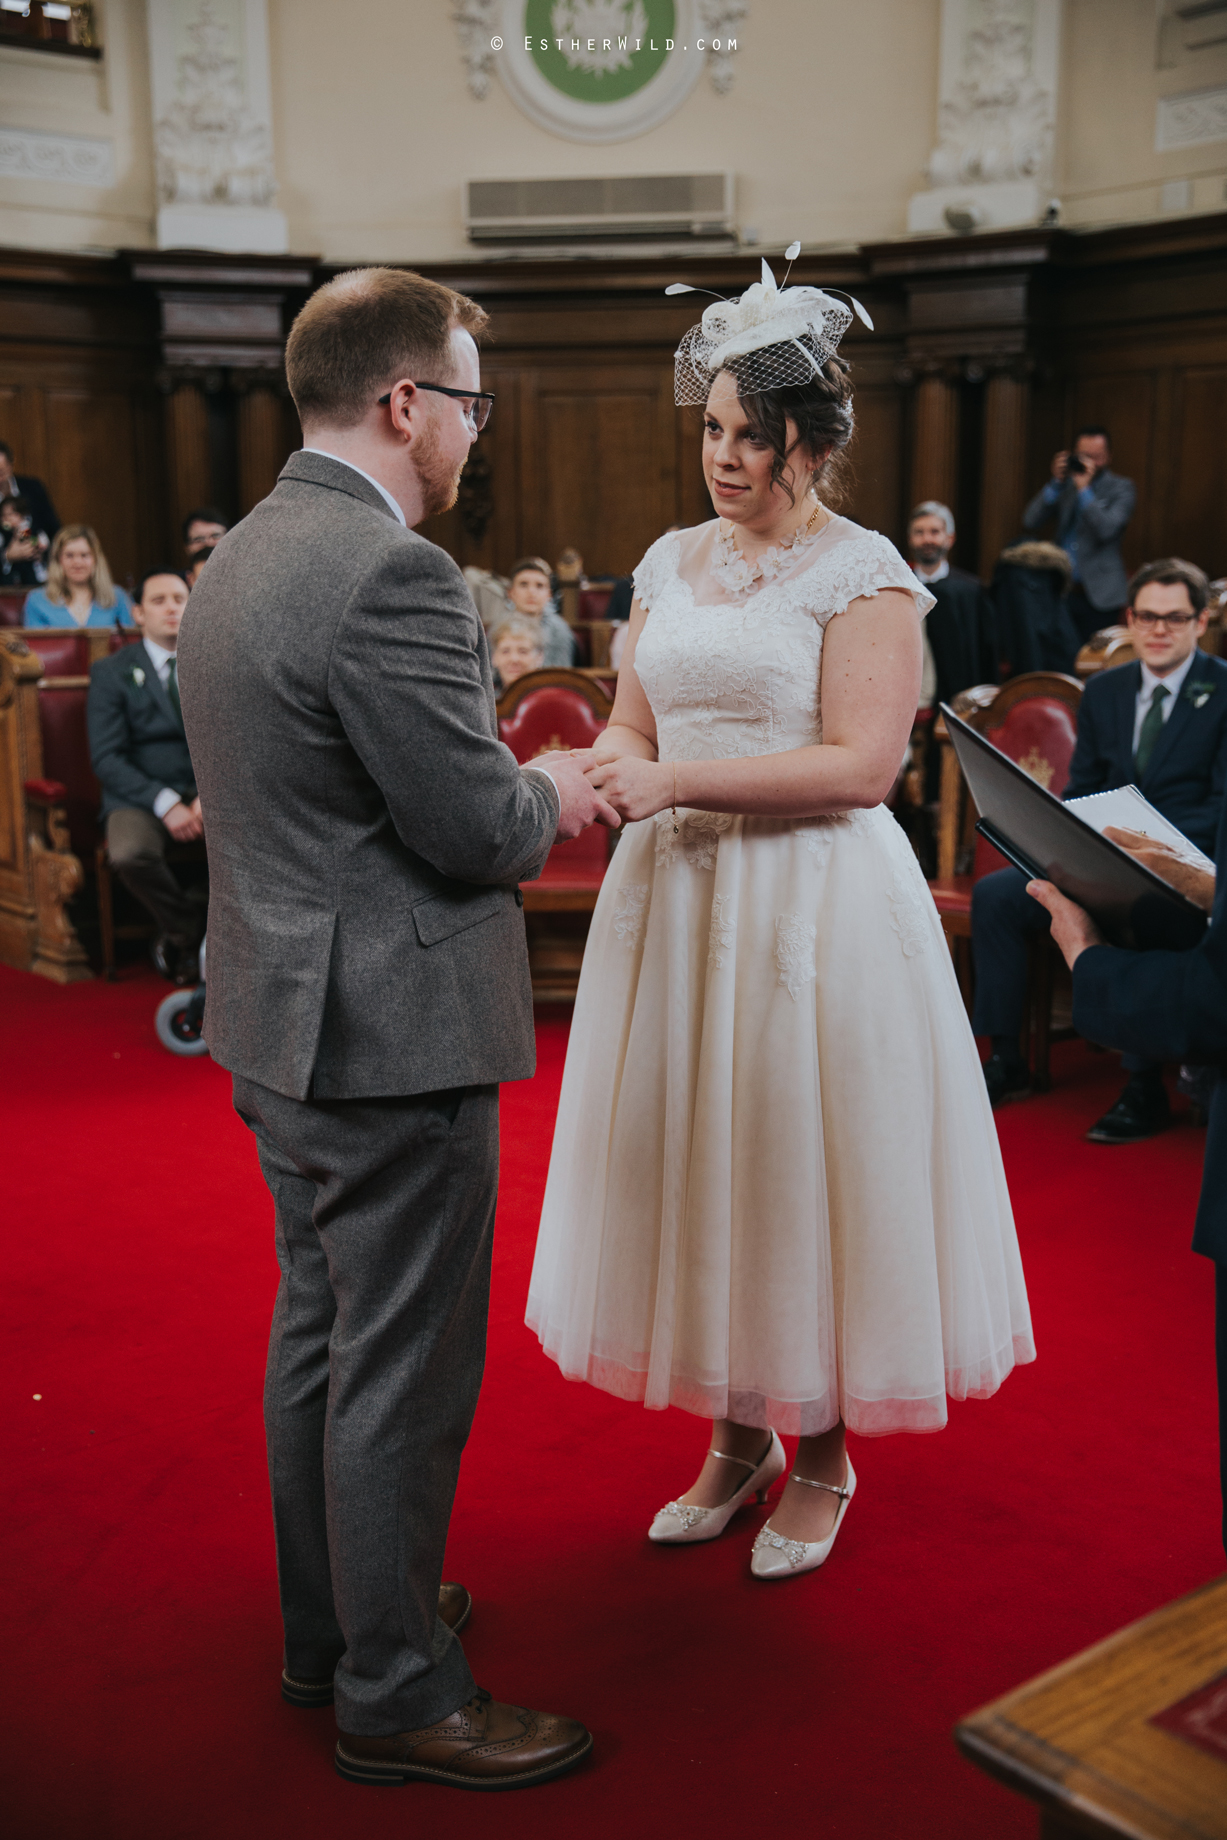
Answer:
[(775, 1197)]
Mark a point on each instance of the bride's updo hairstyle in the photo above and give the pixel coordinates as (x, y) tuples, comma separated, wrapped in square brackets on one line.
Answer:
[(821, 412), (780, 346)]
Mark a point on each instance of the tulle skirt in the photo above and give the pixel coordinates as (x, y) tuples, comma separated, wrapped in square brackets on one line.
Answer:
[(776, 1193)]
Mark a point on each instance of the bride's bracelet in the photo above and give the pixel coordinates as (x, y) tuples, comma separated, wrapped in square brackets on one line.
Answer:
[(675, 823)]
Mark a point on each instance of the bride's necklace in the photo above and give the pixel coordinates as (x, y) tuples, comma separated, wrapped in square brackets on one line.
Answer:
[(739, 573)]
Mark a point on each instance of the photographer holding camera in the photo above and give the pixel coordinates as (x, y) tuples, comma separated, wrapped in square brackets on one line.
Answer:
[(1092, 505), (23, 548)]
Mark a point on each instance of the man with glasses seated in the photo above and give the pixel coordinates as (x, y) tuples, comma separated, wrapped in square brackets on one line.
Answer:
[(1159, 724)]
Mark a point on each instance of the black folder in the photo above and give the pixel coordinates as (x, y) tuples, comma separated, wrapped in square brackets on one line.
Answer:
[(1049, 842)]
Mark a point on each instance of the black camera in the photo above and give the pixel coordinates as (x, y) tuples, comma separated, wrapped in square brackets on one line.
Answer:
[(1077, 464)]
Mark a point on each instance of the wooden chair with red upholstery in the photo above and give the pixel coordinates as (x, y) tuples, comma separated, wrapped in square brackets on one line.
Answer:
[(539, 713), (1104, 650), (13, 606), (1033, 719)]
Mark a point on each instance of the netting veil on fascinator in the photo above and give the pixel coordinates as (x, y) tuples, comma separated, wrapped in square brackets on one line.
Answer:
[(771, 338)]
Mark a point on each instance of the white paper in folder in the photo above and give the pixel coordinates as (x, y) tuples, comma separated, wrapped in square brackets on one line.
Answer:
[(1129, 811)]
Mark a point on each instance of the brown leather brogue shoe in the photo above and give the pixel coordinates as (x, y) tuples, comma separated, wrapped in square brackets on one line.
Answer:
[(455, 1609), (484, 1745)]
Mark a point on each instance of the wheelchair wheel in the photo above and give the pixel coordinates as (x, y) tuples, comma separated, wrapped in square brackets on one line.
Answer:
[(179, 1021)]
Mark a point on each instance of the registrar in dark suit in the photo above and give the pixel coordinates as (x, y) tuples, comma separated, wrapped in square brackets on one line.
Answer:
[(140, 757), (1175, 752), (369, 989), (1171, 1006)]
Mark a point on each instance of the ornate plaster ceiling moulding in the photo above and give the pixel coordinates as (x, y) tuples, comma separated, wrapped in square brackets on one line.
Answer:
[(598, 70), (992, 165), (213, 135)]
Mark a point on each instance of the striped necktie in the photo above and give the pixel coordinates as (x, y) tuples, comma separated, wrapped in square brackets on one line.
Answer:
[(1152, 728)]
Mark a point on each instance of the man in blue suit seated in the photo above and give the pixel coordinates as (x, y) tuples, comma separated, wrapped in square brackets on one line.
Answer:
[(1172, 1006), (1159, 724), (140, 755)]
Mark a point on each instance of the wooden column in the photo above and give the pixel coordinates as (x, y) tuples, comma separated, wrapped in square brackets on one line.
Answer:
[(1003, 479), (187, 451), (261, 443), (935, 439)]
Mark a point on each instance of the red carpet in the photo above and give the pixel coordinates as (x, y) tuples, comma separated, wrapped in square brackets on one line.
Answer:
[(144, 1642)]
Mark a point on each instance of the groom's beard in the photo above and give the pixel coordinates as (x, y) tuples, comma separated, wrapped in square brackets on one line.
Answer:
[(440, 484)]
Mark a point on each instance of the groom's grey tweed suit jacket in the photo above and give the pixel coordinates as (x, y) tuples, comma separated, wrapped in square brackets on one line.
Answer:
[(366, 827)]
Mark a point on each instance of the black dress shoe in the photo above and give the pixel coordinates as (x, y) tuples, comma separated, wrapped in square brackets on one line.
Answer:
[(1005, 1079), (1141, 1111), (455, 1609)]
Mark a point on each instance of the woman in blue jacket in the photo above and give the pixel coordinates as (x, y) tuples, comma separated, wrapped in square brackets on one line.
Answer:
[(78, 590)]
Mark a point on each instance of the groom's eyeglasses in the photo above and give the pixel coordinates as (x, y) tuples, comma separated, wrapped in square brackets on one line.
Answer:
[(477, 413)]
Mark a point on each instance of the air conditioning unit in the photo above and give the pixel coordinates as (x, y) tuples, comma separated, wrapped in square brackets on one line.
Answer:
[(672, 207)]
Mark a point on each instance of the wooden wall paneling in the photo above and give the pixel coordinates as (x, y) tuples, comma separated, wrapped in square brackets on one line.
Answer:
[(599, 462), (935, 434), (261, 453), (1003, 477), (1195, 520), (95, 475), (693, 500), (876, 456), (189, 463)]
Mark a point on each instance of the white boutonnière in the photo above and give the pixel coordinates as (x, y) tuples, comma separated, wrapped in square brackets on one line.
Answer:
[(138, 676)]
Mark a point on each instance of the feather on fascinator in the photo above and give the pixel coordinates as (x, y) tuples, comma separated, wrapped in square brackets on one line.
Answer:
[(772, 337)]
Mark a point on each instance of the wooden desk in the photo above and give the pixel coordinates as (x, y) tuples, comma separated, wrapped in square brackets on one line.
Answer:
[(1082, 1741)]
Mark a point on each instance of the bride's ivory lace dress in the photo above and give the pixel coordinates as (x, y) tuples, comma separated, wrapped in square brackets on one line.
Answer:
[(775, 1194)]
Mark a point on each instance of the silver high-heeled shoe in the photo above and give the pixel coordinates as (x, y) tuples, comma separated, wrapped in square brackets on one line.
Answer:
[(775, 1557), (679, 1524)]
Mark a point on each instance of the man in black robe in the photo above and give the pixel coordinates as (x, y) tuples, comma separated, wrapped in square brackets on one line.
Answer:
[(960, 630)]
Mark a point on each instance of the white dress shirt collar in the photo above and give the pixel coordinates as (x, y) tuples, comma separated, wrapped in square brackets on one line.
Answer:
[(382, 490), (938, 574), (1174, 681), (159, 657)]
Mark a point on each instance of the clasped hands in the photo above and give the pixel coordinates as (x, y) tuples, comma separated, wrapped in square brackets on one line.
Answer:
[(1074, 931), (184, 822), (626, 788)]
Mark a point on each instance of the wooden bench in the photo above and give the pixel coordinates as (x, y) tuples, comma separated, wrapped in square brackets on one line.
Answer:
[(1129, 1738), (540, 712)]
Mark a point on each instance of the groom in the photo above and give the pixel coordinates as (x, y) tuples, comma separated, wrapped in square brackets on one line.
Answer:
[(368, 990)]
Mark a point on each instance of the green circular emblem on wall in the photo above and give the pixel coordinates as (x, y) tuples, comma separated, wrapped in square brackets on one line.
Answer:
[(600, 70), (600, 50)]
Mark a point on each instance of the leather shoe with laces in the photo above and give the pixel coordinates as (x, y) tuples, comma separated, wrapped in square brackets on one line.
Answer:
[(455, 1609), (1005, 1079), (1141, 1111), (483, 1745)]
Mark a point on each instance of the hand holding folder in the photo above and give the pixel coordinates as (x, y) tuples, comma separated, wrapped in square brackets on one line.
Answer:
[(1049, 841)]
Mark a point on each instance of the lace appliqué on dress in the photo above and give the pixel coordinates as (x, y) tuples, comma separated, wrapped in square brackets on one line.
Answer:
[(819, 833), (698, 837), (794, 953), (630, 913), (737, 575), (907, 914), (722, 934)]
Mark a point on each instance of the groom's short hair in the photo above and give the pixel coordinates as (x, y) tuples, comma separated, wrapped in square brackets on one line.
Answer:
[(364, 329)]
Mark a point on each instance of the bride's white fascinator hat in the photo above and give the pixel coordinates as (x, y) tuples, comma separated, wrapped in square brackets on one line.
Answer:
[(774, 336)]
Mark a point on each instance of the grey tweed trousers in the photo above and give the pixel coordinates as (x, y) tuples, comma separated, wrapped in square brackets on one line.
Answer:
[(384, 1222)]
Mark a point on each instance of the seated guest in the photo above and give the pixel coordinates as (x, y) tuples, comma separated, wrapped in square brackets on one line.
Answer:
[(1159, 724), (195, 566), (140, 756), (79, 590), (203, 529), (1029, 594), (1166, 1006), (25, 485), (531, 595), (23, 547), (515, 649), (1090, 506), (960, 631)]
